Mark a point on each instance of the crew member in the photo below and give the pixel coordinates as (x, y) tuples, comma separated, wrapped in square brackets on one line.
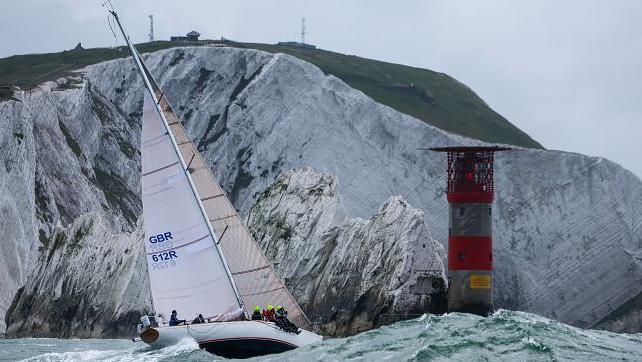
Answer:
[(174, 321), (257, 316), (269, 314), (283, 322), (199, 319)]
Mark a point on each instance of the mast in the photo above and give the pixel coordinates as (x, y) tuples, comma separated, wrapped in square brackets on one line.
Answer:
[(140, 66)]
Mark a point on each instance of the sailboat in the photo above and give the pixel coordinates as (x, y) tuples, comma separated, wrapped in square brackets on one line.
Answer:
[(201, 259)]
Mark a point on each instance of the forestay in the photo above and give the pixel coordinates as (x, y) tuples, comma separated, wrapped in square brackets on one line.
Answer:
[(186, 271), (253, 275)]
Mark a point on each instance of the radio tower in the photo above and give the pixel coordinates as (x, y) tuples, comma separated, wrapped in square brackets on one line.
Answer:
[(302, 30), (151, 28)]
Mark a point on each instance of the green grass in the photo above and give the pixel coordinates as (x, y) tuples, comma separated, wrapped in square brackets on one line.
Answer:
[(433, 97), (27, 71)]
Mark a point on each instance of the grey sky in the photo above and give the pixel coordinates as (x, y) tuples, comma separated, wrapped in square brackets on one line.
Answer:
[(569, 73)]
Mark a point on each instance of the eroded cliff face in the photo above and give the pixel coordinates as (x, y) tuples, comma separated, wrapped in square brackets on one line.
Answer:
[(89, 282), (348, 274), (567, 226), (19, 243), (65, 151)]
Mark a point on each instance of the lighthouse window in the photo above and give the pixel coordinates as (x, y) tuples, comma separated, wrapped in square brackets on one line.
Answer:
[(461, 257), (461, 211), (490, 211)]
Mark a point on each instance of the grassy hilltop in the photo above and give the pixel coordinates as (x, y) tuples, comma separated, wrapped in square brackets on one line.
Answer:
[(435, 98)]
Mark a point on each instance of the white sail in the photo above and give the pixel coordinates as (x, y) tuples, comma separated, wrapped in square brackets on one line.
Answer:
[(186, 217), (186, 271), (251, 271), (253, 275)]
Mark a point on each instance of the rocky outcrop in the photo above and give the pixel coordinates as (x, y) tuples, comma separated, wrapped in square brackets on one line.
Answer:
[(89, 283), (63, 152), (567, 226), (19, 242), (348, 274)]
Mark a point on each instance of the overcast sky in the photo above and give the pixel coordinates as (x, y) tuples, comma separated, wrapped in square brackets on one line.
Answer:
[(569, 73)]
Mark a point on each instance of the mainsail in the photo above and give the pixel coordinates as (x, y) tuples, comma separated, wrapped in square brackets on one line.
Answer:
[(186, 271), (197, 287)]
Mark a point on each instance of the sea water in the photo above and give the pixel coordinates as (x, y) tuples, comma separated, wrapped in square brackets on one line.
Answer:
[(506, 335)]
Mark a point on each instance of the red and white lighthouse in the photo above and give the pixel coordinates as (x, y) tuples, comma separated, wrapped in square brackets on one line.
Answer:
[(470, 193)]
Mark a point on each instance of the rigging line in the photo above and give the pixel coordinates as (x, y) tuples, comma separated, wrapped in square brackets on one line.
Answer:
[(112, 28), (212, 197), (222, 218), (190, 161), (264, 292), (180, 246), (109, 18), (251, 270), (221, 237), (160, 169)]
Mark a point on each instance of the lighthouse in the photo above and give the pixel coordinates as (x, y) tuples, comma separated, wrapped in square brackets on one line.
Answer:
[(470, 194)]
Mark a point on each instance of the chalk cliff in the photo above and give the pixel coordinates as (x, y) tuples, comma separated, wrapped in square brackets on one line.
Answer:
[(349, 274), (567, 226)]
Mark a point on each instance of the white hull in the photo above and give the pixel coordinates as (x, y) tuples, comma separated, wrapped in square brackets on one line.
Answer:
[(238, 339)]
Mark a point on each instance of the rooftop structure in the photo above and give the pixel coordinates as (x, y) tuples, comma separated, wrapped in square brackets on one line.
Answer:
[(297, 44), (192, 36)]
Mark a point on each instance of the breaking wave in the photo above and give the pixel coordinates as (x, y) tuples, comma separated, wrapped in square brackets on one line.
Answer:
[(506, 335), (100, 350)]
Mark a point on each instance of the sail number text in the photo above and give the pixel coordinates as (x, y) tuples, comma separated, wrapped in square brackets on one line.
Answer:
[(164, 259), (164, 256), (160, 238)]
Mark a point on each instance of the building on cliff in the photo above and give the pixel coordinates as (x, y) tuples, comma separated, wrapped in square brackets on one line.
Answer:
[(190, 37)]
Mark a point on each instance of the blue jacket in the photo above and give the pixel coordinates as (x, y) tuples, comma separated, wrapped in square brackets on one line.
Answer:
[(174, 321)]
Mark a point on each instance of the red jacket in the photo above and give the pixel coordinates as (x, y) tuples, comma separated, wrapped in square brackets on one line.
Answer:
[(268, 315)]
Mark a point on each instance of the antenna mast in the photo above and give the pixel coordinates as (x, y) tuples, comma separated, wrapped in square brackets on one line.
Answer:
[(151, 28), (302, 30)]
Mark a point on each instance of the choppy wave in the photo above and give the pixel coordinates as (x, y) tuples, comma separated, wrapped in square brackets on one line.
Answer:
[(57, 350), (506, 335)]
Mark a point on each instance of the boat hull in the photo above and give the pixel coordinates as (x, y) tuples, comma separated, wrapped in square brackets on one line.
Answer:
[(238, 339), (245, 347)]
